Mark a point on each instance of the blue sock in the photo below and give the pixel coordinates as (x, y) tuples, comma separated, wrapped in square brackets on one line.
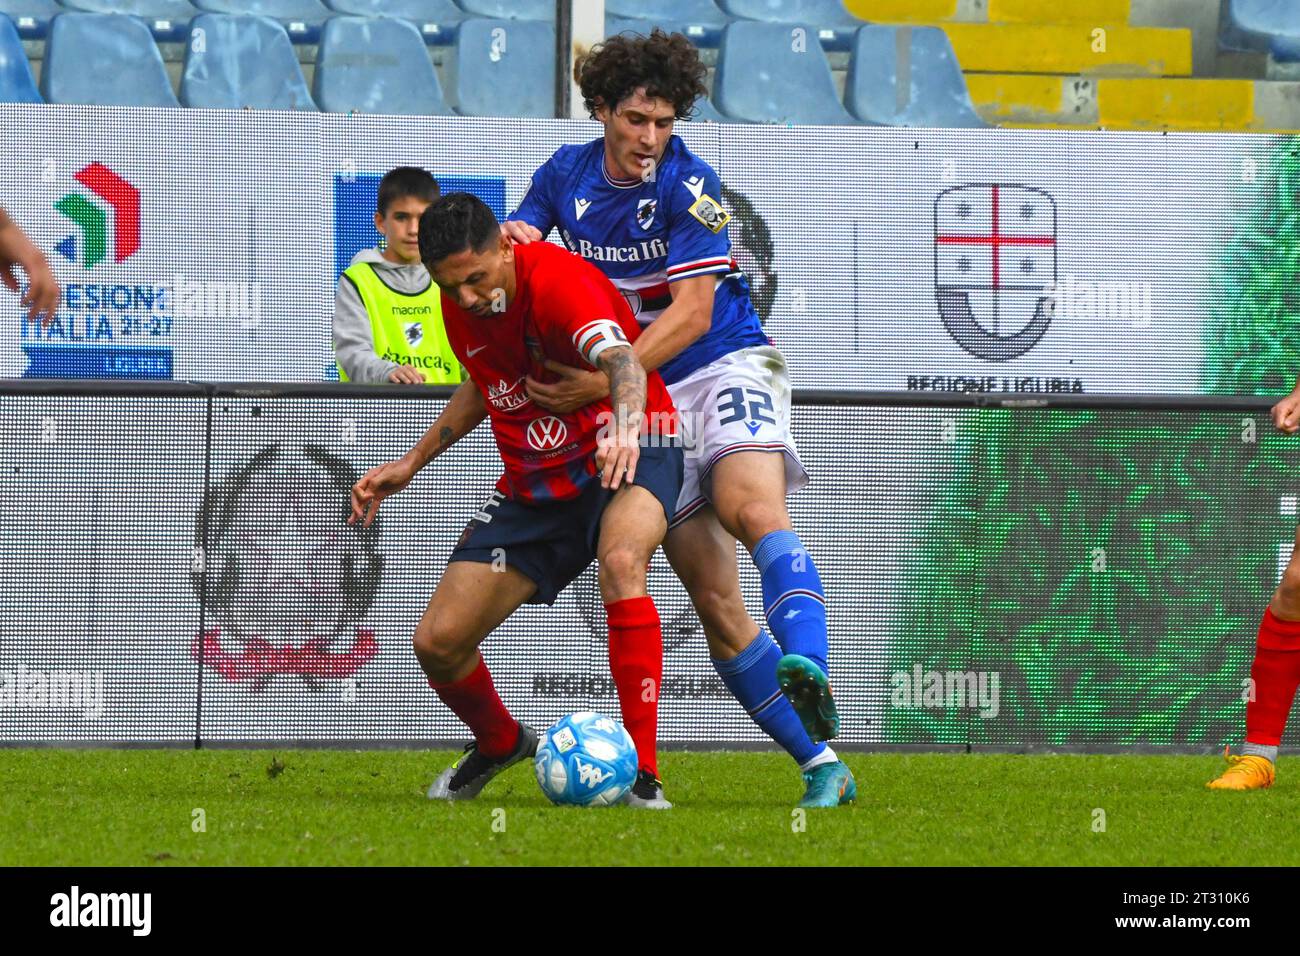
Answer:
[(793, 602), (751, 677)]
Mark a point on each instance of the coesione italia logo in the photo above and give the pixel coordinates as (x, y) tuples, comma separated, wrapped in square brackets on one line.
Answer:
[(117, 316), (110, 323)]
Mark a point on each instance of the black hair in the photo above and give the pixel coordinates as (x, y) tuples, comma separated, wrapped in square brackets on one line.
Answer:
[(454, 223), (406, 181)]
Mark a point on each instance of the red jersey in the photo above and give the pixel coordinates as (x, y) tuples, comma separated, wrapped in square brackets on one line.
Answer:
[(565, 310)]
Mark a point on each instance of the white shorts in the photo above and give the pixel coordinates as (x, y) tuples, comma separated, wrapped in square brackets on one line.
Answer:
[(741, 402)]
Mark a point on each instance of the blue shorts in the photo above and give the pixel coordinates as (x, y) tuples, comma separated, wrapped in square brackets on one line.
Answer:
[(553, 543)]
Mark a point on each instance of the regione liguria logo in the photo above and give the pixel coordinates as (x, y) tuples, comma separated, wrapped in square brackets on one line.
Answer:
[(995, 266), (546, 434)]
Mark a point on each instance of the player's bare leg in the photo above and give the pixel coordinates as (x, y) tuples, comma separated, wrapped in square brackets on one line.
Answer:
[(1275, 675), (471, 600), (631, 528), (703, 554), (748, 493)]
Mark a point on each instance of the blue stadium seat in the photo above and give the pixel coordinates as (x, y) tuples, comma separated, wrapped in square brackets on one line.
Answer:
[(301, 18), (510, 9), (505, 68), (700, 20), (695, 33), (376, 65), (933, 89), (834, 25), (242, 62), (169, 20), (1262, 25), (31, 17), (764, 77), (104, 59), (16, 82), (437, 20), (706, 112)]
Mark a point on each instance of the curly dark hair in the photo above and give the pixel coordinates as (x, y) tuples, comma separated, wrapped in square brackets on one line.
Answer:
[(666, 64)]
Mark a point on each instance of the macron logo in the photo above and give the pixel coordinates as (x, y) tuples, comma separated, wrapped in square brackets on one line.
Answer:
[(103, 909), (580, 206), (695, 184)]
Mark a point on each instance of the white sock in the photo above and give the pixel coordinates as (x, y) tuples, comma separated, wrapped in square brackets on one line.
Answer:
[(826, 756)]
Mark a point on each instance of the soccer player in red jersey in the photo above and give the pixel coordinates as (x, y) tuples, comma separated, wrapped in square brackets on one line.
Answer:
[(577, 485), (1275, 672)]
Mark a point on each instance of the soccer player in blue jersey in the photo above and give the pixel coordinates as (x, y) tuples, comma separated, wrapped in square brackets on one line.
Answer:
[(645, 210)]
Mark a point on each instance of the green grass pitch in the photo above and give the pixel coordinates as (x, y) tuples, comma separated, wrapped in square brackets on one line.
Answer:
[(321, 807)]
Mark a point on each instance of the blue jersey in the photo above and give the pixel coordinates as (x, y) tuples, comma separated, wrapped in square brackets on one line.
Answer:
[(647, 234)]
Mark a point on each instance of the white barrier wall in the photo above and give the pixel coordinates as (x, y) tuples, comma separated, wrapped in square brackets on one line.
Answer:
[(205, 245)]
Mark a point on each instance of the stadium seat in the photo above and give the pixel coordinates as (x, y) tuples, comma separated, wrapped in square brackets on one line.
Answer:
[(169, 20), (834, 25), (16, 82), (301, 18), (242, 62), (510, 9), (700, 20), (706, 112), (933, 89), (376, 65), (31, 17), (104, 59), (694, 32), (1262, 25), (437, 20), (763, 78), (505, 68)]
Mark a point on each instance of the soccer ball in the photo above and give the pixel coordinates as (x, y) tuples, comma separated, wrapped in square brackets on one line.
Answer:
[(585, 760)]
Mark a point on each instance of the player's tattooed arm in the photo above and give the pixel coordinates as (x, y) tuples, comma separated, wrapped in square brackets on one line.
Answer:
[(618, 442), (464, 411), (627, 383)]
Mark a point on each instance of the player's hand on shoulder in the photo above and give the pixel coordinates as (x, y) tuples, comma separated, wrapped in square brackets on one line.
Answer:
[(521, 232), (406, 375), (1286, 413), (376, 485)]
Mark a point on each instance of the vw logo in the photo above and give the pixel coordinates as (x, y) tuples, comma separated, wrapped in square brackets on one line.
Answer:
[(546, 434)]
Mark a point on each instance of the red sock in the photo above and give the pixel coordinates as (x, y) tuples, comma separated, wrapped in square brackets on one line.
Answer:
[(474, 700), (1276, 673), (636, 661)]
